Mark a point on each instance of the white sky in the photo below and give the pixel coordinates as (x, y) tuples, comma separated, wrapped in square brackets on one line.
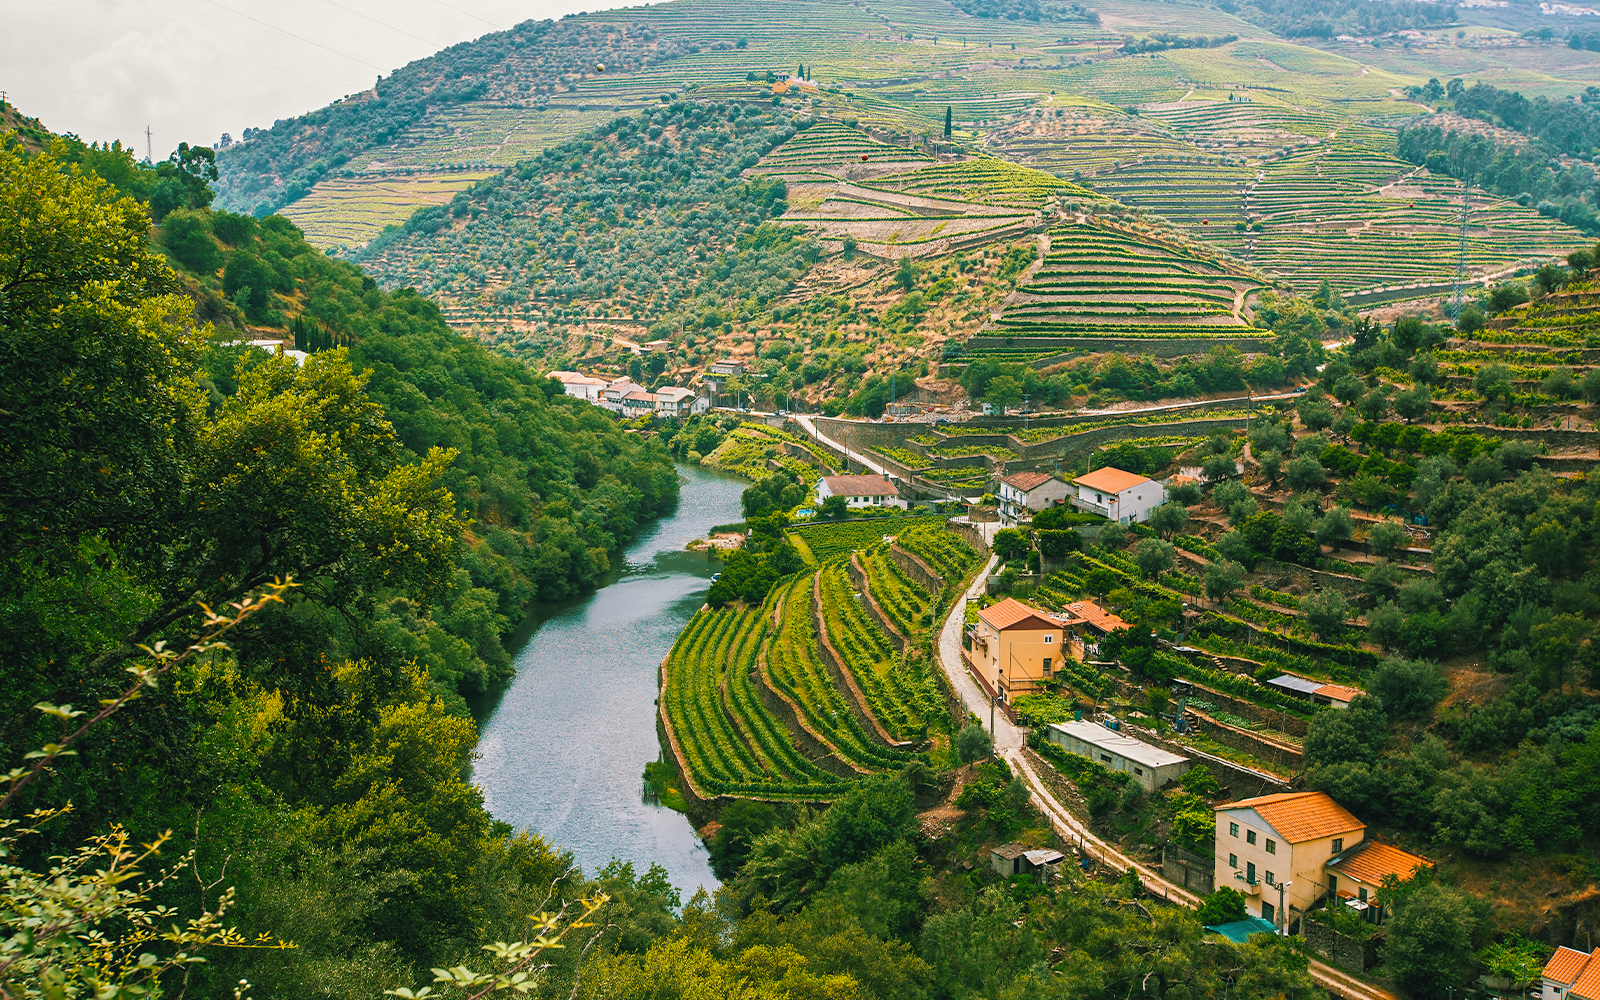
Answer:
[(194, 69)]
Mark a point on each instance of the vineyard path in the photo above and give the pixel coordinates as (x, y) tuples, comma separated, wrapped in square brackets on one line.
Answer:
[(1007, 737)]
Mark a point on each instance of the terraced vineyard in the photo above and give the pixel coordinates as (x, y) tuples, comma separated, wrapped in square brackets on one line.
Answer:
[(1097, 281), (836, 541), (729, 742), (754, 707)]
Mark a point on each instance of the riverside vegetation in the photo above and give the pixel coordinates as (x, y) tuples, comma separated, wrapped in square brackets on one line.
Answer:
[(1206, 188)]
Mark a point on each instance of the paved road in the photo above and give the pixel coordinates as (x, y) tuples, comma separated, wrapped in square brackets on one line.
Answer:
[(1008, 738), (854, 456)]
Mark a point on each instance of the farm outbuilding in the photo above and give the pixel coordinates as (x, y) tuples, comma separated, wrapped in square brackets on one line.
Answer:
[(1150, 766)]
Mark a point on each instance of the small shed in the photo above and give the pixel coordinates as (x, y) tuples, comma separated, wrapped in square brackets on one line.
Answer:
[(1150, 766), (1014, 859)]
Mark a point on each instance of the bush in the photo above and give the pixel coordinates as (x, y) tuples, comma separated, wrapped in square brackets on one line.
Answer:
[(1225, 906), (973, 743)]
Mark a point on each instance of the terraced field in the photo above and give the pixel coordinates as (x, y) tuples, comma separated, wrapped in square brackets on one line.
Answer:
[(796, 698), (1096, 281), (351, 211)]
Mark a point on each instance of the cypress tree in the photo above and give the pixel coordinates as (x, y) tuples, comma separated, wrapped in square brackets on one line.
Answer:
[(947, 119)]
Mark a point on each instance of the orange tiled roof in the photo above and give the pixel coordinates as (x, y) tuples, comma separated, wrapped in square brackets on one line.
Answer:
[(1095, 615), (860, 486), (1026, 481), (1302, 816), (1011, 613), (1109, 480), (1588, 985), (1338, 692), (1369, 861), (1567, 964)]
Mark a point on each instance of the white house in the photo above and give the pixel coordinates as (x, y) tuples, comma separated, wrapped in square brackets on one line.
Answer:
[(1571, 973), (580, 386), (673, 402), (612, 396), (1025, 492), (639, 403), (1150, 766), (861, 491), (1121, 496), (701, 404)]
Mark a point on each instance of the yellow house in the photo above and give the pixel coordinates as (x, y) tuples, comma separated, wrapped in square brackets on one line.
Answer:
[(1275, 850), (1013, 647)]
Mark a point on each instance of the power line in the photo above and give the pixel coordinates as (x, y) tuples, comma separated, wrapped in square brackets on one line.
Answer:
[(470, 14), (291, 34), (386, 24)]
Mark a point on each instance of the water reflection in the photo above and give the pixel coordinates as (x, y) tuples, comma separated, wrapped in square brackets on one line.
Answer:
[(564, 747)]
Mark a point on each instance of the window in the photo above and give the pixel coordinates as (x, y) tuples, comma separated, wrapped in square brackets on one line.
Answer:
[(1233, 829), (1138, 770), (1049, 639), (1233, 861), (1361, 893), (1338, 844), (1250, 836), (1333, 883), (1272, 846), (1105, 758)]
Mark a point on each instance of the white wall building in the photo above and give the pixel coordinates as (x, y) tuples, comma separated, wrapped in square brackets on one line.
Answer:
[(1150, 766), (1121, 496), (673, 402), (580, 386), (1026, 492), (860, 491)]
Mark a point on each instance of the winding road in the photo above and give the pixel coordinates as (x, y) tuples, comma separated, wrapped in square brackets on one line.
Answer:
[(1010, 740)]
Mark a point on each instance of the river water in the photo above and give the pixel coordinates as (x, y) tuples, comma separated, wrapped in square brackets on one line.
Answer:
[(563, 749)]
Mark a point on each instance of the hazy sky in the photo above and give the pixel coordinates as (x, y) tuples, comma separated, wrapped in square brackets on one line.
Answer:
[(194, 69)]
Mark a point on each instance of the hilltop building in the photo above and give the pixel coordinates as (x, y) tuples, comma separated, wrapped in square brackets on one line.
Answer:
[(1293, 848), (1025, 492), (1120, 496), (1152, 767), (861, 491)]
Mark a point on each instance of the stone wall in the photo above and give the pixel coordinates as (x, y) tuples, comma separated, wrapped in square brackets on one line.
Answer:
[(1349, 954), (1192, 871)]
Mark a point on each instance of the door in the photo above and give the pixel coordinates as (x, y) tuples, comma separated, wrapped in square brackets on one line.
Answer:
[(1266, 911), (1250, 872)]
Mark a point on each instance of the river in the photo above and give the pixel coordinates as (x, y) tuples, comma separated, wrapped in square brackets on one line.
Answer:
[(563, 749)]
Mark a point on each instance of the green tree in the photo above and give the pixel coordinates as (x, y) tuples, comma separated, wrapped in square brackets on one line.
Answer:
[(949, 118), (1386, 538), (1011, 543), (1002, 392), (1169, 519), (1153, 557), (1414, 404), (1305, 473), (1316, 413), (1326, 612), (1223, 578), (1494, 380), (1407, 688), (1335, 526), (973, 743), (1429, 947)]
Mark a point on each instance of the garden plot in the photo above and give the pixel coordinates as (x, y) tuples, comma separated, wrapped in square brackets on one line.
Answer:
[(1097, 281)]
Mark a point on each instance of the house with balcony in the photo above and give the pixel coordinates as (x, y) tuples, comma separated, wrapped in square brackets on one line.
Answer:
[(673, 403), (1355, 875), (615, 392), (861, 491), (1275, 849), (1025, 492), (1013, 647), (1571, 973), (639, 403), (1121, 496)]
